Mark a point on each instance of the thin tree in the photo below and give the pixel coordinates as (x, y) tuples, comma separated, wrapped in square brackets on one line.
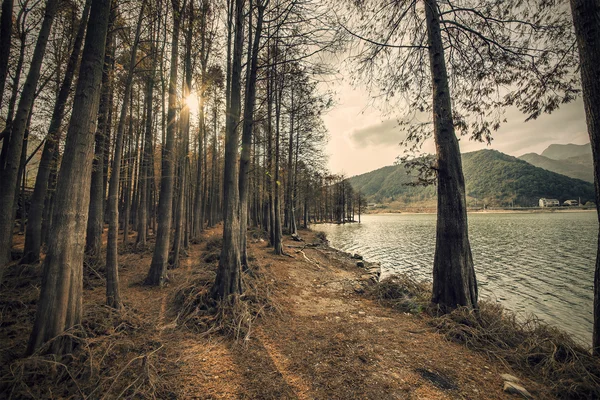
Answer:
[(248, 124), (60, 304), (33, 234), (95, 226), (146, 175), (160, 258), (182, 158), (9, 172), (113, 297), (229, 274), (6, 20)]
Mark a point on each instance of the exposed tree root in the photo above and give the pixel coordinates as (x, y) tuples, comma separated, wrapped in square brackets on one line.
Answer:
[(234, 316)]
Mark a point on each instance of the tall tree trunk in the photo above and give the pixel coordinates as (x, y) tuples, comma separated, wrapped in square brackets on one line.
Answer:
[(10, 171), (107, 137), (5, 39), (229, 280), (95, 225), (454, 282), (269, 174), (199, 199), (201, 184), (13, 98), (293, 171), (160, 258), (182, 157), (113, 296), (146, 159), (277, 233), (247, 134), (586, 19), (128, 168), (213, 173), (288, 185), (60, 304), (33, 234)]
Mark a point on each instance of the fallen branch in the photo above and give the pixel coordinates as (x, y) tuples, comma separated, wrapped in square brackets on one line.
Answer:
[(308, 259)]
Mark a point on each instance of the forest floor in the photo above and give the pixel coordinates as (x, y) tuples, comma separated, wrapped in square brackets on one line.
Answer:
[(322, 339)]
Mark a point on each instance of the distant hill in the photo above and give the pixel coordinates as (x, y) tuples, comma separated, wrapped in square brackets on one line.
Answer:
[(492, 177), (575, 167), (564, 151)]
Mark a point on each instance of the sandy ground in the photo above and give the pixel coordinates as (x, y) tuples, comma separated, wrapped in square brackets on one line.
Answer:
[(326, 341)]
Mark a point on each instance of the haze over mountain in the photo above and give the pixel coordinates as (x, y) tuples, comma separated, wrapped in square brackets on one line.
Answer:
[(571, 160), (492, 177), (566, 151)]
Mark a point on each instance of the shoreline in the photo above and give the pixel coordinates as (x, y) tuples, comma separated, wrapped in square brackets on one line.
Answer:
[(327, 332), (528, 327), (575, 322), (490, 211)]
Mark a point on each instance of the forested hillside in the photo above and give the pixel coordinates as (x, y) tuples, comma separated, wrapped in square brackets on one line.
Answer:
[(492, 177)]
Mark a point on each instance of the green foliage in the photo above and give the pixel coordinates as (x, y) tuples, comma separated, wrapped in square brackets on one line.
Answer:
[(491, 177)]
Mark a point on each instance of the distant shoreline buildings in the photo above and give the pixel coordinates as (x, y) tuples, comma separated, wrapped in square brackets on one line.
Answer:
[(555, 203)]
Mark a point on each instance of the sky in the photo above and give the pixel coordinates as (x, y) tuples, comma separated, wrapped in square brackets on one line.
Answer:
[(362, 139)]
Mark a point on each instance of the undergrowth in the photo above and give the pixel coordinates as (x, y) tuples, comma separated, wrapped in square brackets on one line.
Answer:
[(105, 363), (232, 317), (548, 354)]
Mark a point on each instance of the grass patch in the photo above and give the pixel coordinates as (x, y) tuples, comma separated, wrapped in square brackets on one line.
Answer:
[(402, 293), (322, 236), (545, 352)]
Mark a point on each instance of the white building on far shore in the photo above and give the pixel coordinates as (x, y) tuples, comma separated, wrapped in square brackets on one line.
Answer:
[(549, 202)]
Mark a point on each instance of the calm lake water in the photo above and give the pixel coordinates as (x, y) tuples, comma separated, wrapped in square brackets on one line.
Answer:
[(533, 263)]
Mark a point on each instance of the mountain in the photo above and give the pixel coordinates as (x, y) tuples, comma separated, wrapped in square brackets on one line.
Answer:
[(564, 151), (579, 167), (490, 176)]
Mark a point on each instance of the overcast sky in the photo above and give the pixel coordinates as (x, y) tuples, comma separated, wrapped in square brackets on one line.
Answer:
[(361, 139)]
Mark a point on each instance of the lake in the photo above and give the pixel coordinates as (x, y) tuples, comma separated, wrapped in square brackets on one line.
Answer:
[(541, 263)]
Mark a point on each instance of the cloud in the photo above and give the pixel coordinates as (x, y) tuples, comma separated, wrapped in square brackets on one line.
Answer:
[(516, 137), (384, 133), (362, 138)]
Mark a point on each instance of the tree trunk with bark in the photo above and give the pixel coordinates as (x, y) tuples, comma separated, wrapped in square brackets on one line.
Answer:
[(60, 304), (13, 97), (33, 234), (229, 274), (184, 125), (113, 296), (160, 258), (454, 282), (5, 40), (146, 175), (277, 232), (586, 19), (10, 171), (247, 133)]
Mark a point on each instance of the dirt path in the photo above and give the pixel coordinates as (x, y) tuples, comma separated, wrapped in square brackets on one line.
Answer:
[(327, 341)]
